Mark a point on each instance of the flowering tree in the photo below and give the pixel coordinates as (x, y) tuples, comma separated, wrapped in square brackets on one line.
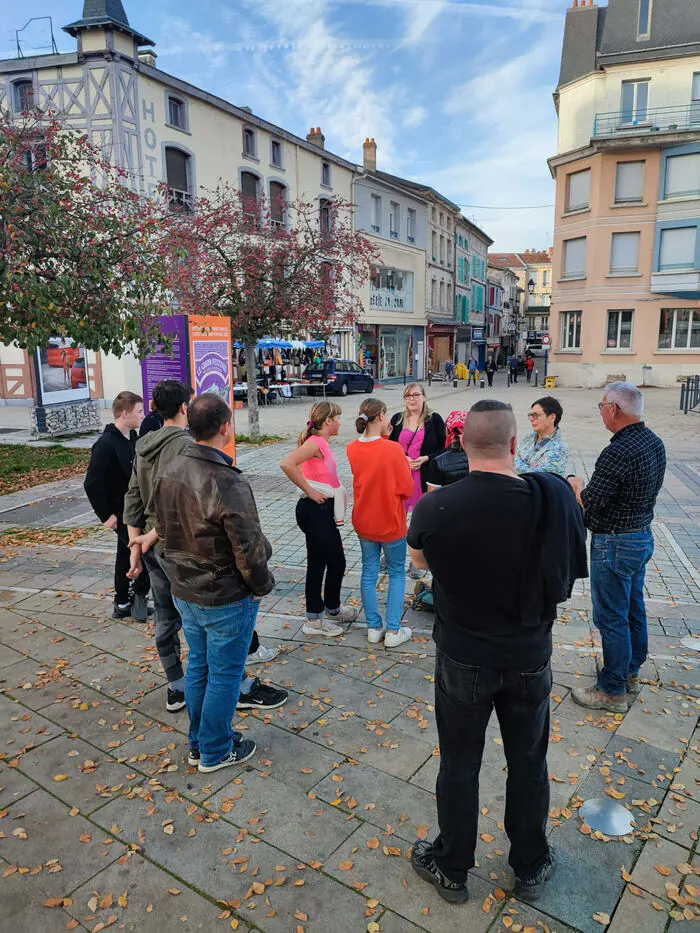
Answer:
[(77, 251), (272, 267)]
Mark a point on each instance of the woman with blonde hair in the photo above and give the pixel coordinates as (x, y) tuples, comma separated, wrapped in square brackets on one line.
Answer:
[(421, 434), (382, 483), (320, 510)]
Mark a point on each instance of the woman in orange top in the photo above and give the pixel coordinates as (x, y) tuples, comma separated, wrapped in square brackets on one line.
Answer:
[(382, 481)]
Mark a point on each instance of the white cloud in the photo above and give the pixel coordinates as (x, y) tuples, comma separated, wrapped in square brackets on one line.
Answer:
[(414, 116)]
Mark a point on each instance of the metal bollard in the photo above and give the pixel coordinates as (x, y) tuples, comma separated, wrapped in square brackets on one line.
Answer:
[(508, 379), (455, 383), (537, 376), (482, 384), (430, 377)]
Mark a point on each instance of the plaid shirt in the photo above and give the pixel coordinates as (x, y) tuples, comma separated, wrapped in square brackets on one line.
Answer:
[(628, 476)]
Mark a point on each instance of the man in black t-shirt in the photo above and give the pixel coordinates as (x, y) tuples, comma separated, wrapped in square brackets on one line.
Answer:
[(496, 656)]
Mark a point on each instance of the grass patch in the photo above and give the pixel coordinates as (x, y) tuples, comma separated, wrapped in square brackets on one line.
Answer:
[(23, 466), (34, 537), (259, 441)]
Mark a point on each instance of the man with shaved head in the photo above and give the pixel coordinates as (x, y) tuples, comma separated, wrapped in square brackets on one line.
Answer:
[(494, 652)]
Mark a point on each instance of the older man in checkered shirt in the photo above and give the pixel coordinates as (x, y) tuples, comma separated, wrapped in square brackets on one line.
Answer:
[(618, 508)]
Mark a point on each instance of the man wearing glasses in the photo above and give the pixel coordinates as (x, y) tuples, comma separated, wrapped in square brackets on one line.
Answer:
[(618, 508)]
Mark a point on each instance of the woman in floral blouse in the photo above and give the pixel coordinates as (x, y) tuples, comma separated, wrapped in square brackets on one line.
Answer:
[(544, 448)]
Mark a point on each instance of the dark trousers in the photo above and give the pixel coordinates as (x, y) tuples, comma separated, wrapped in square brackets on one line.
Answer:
[(529, 374), (514, 375), (464, 698), (489, 376), (123, 587), (325, 555), (167, 618)]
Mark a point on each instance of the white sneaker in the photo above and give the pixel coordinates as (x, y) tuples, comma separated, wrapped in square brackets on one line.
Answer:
[(394, 639), (262, 655), (344, 614), (375, 635), (322, 627)]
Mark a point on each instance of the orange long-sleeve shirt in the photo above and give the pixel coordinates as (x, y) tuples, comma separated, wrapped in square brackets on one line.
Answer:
[(381, 481)]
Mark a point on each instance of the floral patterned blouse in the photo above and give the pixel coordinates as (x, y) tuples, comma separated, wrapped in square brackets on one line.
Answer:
[(548, 454)]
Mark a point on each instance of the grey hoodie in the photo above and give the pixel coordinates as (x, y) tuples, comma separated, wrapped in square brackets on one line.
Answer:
[(154, 451)]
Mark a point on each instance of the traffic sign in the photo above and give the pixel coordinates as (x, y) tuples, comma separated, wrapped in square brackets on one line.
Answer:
[(546, 340)]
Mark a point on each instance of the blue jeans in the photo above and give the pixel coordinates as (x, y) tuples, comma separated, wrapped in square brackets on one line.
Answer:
[(395, 552), (618, 568), (219, 638)]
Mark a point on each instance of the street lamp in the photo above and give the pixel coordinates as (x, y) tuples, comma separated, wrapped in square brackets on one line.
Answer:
[(531, 286)]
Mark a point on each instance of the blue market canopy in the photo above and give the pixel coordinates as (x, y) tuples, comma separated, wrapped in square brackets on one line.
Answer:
[(315, 344)]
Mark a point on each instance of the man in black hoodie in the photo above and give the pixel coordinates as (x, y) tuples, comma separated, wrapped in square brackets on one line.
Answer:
[(106, 484), (494, 655)]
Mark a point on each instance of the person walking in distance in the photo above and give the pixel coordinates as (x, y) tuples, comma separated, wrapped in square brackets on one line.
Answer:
[(472, 367), (529, 366), (618, 508), (382, 481), (106, 483), (498, 657), (320, 511), (217, 558), (491, 368)]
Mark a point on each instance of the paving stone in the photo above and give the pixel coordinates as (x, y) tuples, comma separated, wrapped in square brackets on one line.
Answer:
[(13, 785), (296, 714), (199, 860), (365, 665), (639, 759), (64, 605), (47, 645), (35, 684), (152, 706), (81, 785), (116, 678), (529, 918), (151, 908), (409, 680), (667, 855), (389, 922), (97, 719), (23, 908), (657, 717), (22, 728), (134, 643), (687, 780), (678, 820), (291, 756), (9, 657), (351, 736), (52, 833), (304, 827), (635, 913)]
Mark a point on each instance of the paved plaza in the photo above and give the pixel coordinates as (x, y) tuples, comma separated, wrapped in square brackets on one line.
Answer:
[(103, 824)]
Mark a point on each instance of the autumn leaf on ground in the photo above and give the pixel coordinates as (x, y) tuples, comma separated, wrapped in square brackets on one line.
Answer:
[(346, 865), (602, 918), (60, 777), (373, 843), (663, 870), (422, 832)]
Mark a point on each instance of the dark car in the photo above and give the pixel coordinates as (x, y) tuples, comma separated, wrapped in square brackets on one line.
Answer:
[(340, 377)]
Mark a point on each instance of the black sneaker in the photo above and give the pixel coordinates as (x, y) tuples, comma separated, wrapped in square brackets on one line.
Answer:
[(262, 696), (120, 613), (239, 754), (193, 757), (175, 701), (531, 890), (454, 892)]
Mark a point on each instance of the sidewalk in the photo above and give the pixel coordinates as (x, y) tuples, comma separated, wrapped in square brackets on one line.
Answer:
[(103, 824)]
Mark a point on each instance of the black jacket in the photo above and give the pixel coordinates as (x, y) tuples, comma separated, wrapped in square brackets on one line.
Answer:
[(433, 441), (109, 472), (557, 548), (152, 422), (447, 468)]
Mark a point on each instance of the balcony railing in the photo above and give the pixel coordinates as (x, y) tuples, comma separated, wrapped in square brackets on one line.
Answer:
[(660, 120), (179, 201)]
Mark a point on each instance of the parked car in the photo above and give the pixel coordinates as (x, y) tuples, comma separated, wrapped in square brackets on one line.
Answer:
[(536, 349), (340, 377)]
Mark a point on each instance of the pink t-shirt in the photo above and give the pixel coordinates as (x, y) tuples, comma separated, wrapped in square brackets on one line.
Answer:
[(320, 470)]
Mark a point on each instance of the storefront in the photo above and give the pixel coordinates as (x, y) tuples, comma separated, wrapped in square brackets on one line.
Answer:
[(441, 345), (391, 352), (464, 340)]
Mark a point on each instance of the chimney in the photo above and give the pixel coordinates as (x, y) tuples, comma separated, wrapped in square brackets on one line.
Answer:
[(316, 137), (370, 155), (148, 57)]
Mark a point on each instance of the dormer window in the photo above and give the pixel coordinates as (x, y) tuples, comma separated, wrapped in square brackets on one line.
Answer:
[(326, 174), (23, 96), (176, 113), (644, 23), (249, 143)]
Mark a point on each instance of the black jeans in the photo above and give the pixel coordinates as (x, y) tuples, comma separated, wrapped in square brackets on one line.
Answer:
[(464, 698), (123, 587), (167, 618), (325, 555), (489, 376)]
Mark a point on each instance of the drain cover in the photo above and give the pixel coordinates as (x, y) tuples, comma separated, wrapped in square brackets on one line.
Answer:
[(606, 816), (691, 641)]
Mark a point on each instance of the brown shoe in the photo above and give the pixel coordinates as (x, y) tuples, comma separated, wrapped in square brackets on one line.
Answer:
[(593, 698), (634, 686)]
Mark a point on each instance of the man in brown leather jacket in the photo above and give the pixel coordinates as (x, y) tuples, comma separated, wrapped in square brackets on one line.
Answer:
[(216, 556)]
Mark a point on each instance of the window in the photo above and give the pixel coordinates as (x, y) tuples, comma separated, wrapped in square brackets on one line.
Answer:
[(250, 195), (435, 249), (575, 258), (644, 22), (249, 143), (276, 153), (624, 254), (433, 293), (449, 252), (176, 113), (695, 97), (629, 182), (278, 199), (679, 328), (546, 278), (579, 186), (571, 330), (411, 225), (677, 249), (376, 213), (23, 96), (326, 174), (448, 299), (442, 219), (434, 215), (325, 217), (394, 220), (683, 176), (177, 176), (449, 223), (634, 101), (442, 250), (478, 295), (619, 330)]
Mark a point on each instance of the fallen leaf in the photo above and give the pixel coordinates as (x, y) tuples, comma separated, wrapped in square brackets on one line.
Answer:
[(53, 902), (346, 865), (422, 832), (373, 843), (123, 900), (174, 891), (60, 777), (487, 837), (300, 915), (601, 918), (663, 870)]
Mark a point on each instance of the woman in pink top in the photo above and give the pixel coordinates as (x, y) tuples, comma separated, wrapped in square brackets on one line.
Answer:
[(313, 469)]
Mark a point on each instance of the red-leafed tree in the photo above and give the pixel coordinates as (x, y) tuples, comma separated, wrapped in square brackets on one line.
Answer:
[(280, 268), (79, 254)]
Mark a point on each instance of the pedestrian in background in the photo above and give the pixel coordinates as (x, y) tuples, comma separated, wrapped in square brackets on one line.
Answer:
[(382, 481), (529, 366), (618, 508), (473, 368), (106, 483), (491, 368), (544, 448), (320, 512)]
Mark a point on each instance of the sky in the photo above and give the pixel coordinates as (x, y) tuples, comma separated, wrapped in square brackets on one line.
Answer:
[(457, 93)]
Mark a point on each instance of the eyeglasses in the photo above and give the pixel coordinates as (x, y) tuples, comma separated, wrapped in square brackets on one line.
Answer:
[(602, 405), (534, 415), (414, 395)]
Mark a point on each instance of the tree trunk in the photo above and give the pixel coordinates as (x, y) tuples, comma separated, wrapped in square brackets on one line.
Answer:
[(253, 408)]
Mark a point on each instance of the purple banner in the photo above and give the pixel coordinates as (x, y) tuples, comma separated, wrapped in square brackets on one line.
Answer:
[(160, 365), (211, 366)]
